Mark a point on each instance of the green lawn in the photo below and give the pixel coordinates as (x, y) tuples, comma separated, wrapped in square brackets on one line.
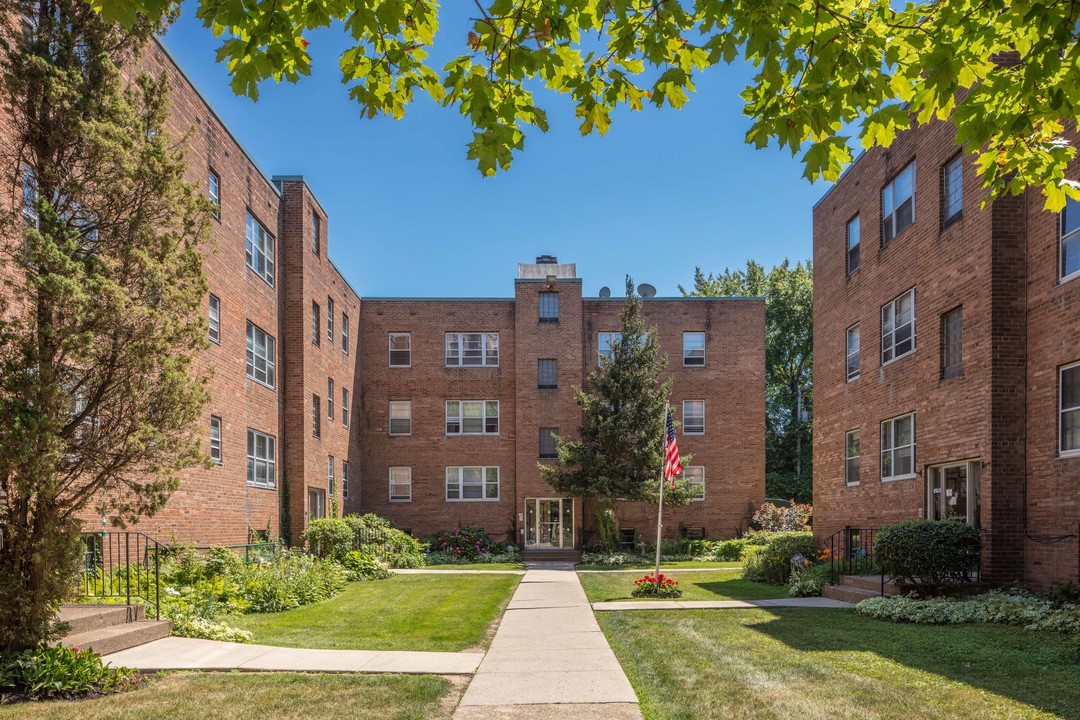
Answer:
[(477, 566), (675, 565), (704, 585), (819, 664), (282, 696), (407, 612)]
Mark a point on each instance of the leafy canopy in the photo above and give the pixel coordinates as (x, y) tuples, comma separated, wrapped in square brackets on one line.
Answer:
[(827, 74)]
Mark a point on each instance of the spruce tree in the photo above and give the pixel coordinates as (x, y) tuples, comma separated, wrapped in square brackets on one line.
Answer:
[(102, 300)]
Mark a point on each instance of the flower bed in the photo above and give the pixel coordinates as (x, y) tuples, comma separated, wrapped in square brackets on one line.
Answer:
[(656, 586), (59, 672)]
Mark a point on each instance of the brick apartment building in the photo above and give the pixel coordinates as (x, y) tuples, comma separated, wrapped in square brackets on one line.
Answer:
[(312, 389), (947, 358)]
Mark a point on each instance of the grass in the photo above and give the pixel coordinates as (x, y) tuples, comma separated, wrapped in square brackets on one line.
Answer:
[(705, 585), (674, 565), (818, 664), (477, 566), (283, 696), (407, 612)]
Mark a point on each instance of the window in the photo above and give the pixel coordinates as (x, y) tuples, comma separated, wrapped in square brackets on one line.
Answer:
[(214, 187), (330, 475), (851, 457), (344, 333), (261, 459), (549, 307), (854, 232), (1070, 240), (952, 192), (898, 205), (215, 439), (472, 349), (316, 417), (1069, 406), (693, 349), (898, 448), (315, 231), (316, 504), (547, 374), (400, 484), (260, 250), (693, 417), (952, 343), (695, 478), (548, 446), (898, 327), (215, 319), (29, 196), (400, 350), (604, 341), (330, 320), (401, 417), (853, 352), (344, 407), (472, 417), (345, 479), (316, 324), (472, 483), (260, 355), (330, 399)]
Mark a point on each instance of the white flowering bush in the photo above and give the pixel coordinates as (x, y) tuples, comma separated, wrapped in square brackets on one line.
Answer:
[(613, 558), (1002, 607)]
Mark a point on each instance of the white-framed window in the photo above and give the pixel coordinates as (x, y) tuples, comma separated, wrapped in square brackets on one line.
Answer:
[(604, 341), (549, 307), (852, 453), (401, 417), (548, 446), (952, 343), (316, 498), (316, 231), (214, 319), (898, 327), (547, 374), (330, 399), (693, 417), (345, 479), (400, 349), (344, 407), (472, 417), (1070, 240), (260, 355), (472, 349), (952, 191), (29, 196), (401, 484), (472, 483), (1069, 409), (853, 352), (213, 185), (898, 448), (695, 478), (215, 439), (854, 240), (344, 333), (693, 349), (330, 320), (316, 416), (330, 474), (259, 250), (316, 324), (261, 459), (898, 204)]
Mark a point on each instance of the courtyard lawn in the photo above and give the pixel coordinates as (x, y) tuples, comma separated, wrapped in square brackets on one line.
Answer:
[(248, 696), (674, 565), (439, 612), (704, 585), (817, 664)]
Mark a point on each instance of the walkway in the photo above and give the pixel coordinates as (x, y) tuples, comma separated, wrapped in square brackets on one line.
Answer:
[(549, 658), (178, 653), (426, 571), (810, 602)]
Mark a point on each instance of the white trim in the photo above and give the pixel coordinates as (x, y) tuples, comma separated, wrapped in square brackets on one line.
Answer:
[(684, 423), (390, 418), (270, 460), (1061, 412), (390, 487), (848, 458), (251, 248), (891, 216), (914, 344), (485, 336), (703, 344), (483, 483), (894, 447), (268, 357), (847, 353), (611, 341), (1062, 236), (390, 349), (483, 417), (694, 483)]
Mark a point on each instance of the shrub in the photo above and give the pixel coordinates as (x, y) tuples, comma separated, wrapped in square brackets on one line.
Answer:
[(771, 518), (771, 563), (1003, 607), (191, 625), (329, 537), (362, 566), (442, 558), (613, 558), (656, 586), (55, 672), (722, 550), (396, 548), (930, 555), (468, 542), (809, 581)]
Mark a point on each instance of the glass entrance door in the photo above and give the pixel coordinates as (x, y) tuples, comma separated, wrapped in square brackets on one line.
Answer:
[(549, 522), (953, 492)]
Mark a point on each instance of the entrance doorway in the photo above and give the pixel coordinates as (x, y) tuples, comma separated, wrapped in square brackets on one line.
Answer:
[(549, 523), (953, 492)]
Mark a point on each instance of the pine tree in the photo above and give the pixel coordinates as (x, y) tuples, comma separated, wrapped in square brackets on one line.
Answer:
[(101, 317), (620, 454)]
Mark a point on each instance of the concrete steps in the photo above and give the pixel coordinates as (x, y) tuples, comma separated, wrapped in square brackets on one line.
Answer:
[(551, 555), (110, 628), (855, 588)]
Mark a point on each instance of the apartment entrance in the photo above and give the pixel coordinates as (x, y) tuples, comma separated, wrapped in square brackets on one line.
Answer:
[(549, 523), (953, 492)]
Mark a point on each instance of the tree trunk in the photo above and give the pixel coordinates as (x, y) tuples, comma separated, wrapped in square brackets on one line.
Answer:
[(607, 526)]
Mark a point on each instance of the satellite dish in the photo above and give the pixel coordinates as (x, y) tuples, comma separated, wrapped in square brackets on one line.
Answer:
[(605, 292), (646, 290)]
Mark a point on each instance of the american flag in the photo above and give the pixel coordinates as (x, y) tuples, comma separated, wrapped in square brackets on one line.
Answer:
[(672, 466)]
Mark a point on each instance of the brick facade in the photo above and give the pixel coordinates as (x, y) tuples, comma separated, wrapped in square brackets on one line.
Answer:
[(1000, 414)]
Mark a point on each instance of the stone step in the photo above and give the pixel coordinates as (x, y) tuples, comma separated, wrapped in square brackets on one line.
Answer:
[(870, 582), (551, 555), (107, 640), (848, 593), (84, 618)]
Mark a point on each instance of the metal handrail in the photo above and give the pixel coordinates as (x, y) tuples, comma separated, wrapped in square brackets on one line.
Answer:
[(123, 565)]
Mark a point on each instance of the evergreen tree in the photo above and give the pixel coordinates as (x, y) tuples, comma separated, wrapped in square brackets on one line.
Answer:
[(103, 300), (620, 453)]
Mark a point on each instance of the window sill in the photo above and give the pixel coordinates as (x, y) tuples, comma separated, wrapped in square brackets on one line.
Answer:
[(693, 365), (687, 432), (481, 500), (949, 374), (851, 484), (1068, 278), (1068, 454), (399, 366), (470, 367), (484, 434), (259, 382), (400, 500), (409, 434), (547, 387), (853, 379), (898, 357), (549, 321), (898, 478), (261, 487)]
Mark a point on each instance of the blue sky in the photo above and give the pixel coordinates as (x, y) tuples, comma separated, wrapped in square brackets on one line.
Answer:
[(409, 215)]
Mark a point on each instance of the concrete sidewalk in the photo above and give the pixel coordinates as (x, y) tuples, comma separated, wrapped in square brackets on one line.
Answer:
[(666, 571), (810, 602), (549, 658), (425, 571), (178, 653)]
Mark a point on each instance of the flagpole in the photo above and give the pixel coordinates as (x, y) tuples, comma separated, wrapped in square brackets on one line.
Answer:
[(660, 513)]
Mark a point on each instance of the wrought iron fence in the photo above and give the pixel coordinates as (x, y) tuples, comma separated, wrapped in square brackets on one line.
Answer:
[(123, 566), (851, 552)]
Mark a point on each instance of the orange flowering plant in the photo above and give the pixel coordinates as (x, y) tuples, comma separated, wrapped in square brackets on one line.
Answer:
[(657, 586)]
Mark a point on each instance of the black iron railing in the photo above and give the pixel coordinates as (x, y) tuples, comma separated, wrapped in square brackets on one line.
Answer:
[(851, 552), (123, 566)]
